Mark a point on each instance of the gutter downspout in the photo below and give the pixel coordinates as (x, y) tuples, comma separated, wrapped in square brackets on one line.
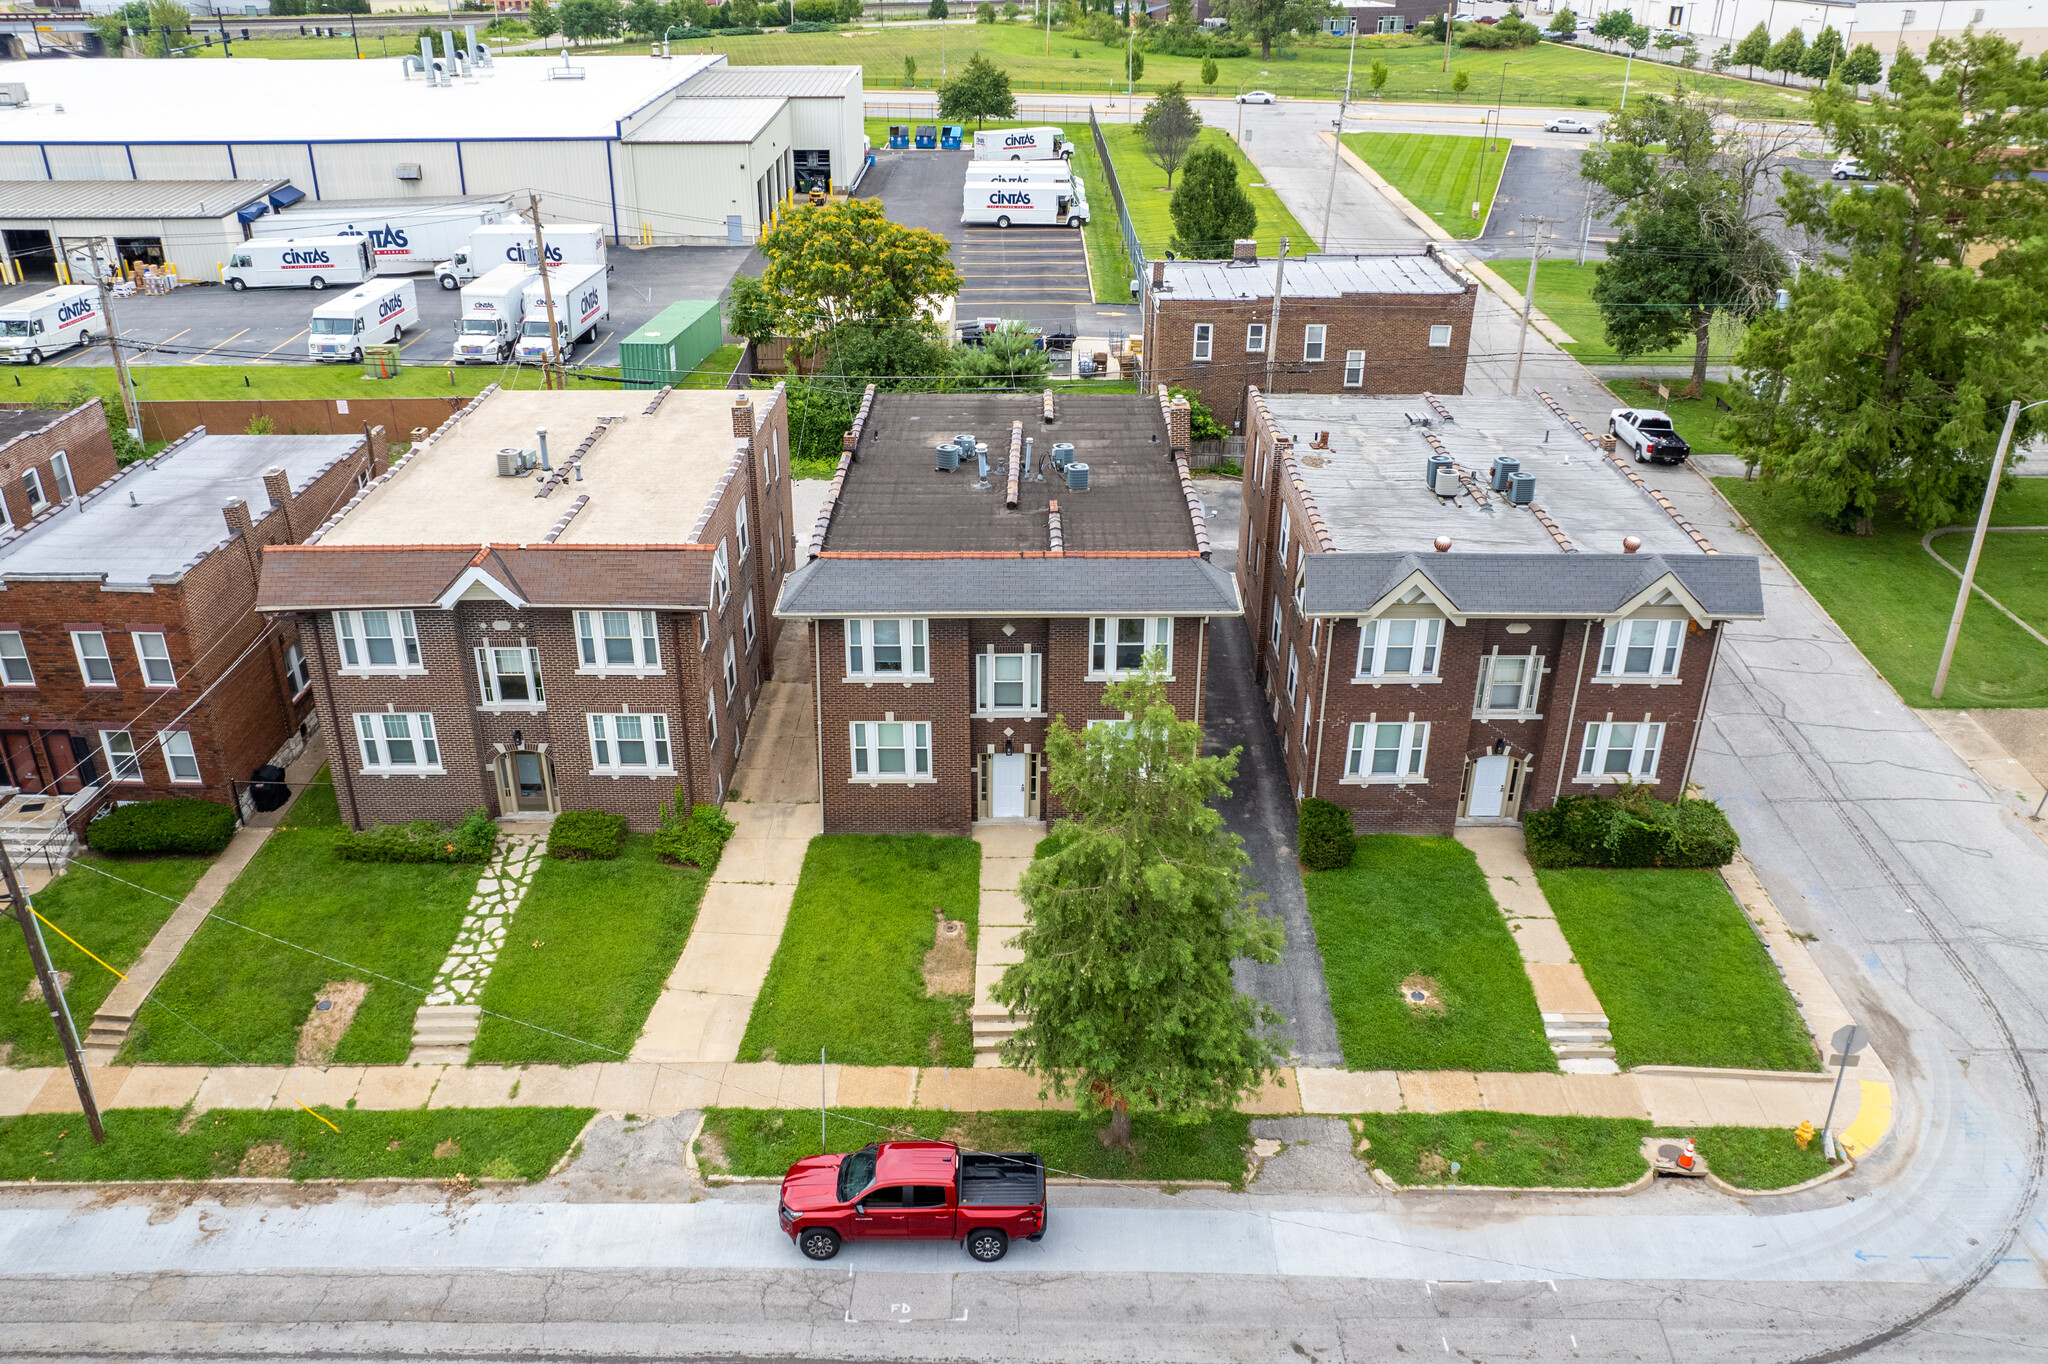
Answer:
[(1315, 779), (1699, 720), (337, 755), (818, 705), (683, 676), (1201, 657), (1572, 716)]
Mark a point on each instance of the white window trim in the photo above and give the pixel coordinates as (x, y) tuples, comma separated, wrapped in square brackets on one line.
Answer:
[(1315, 343), (1205, 340), (747, 619), (1531, 694), (1665, 654), (864, 750), (601, 727), (1033, 683), (1371, 666), (142, 660), (133, 757), (742, 535), (22, 644), (420, 729), (1440, 336), (32, 482), (1293, 674), (646, 639), (1102, 634), (711, 715), (296, 670), (1274, 632), (350, 637), (1354, 369), (857, 649), (487, 685), (730, 672), (60, 474), (1255, 339), (113, 681), (1411, 766), (165, 741), (721, 578), (1644, 751)]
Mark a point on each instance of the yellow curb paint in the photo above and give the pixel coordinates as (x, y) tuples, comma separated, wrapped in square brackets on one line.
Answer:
[(1873, 1120)]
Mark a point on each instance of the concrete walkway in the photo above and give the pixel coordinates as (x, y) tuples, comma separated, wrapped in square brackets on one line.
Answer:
[(1005, 856), (702, 1012)]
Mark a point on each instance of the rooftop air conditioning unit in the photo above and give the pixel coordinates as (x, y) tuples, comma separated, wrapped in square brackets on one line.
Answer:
[(1077, 478), (948, 457), (514, 462), (1434, 463), (13, 94), (1504, 468), (1062, 454), (1521, 489), (408, 170), (1446, 484)]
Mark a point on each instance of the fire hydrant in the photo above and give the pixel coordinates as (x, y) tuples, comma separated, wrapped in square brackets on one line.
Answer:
[(1803, 1134)]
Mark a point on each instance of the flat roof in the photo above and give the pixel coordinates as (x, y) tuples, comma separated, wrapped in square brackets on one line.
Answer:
[(159, 516), (18, 422), (1319, 276), (648, 479), (1370, 487), (896, 500), (126, 198), (793, 82), (709, 120)]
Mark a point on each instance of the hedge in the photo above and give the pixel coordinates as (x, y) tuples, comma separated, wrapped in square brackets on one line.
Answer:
[(1631, 828), (1325, 835), (473, 840), (579, 835), (182, 826), (698, 840)]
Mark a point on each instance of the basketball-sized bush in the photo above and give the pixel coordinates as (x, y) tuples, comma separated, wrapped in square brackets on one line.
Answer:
[(697, 839), (1326, 836), (584, 835), (473, 840), (184, 826), (1630, 828)]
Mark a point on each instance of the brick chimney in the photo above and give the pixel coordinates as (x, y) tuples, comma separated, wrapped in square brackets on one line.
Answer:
[(743, 417), (1179, 423), (1244, 249), (236, 510), (1159, 274)]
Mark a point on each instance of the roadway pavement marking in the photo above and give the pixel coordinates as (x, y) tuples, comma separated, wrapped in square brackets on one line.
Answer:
[(415, 341), (215, 346), (158, 345), (279, 346)]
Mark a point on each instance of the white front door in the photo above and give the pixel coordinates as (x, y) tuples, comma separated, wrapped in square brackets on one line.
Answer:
[(1489, 786), (1006, 785)]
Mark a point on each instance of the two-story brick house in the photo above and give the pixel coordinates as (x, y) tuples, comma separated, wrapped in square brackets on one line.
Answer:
[(46, 457), (952, 614), (1442, 651), (132, 659), (1344, 324), (561, 600)]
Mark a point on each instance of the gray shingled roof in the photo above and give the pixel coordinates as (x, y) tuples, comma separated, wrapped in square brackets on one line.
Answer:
[(1729, 586), (956, 586)]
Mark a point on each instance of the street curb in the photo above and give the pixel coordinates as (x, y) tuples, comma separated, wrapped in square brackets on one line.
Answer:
[(242, 1182), (1720, 1185), (1644, 1181), (1732, 1073)]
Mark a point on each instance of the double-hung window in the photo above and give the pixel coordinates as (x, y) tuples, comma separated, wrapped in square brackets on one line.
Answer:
[(122, 760), (1312, 342), (510, 677), (14, 668), (732, 672), (617, 641), (33, 481), (774, 459), (1275, 631), (1354, 368), (1293, 674), (747, 619), (1255, 339), (886, 647), (1204, 340), (1508, 685), (1121, 644), (155, 657), (397, 742), (711, 715), (1403, 648), (179, 757), (740, 529), (892, 751), (1620, 751), (377, 641), (295, 670), (721, 577), (628, 745), (60, 470), (1007, 683), (1642, 649), (93, 664), (1392, 752)]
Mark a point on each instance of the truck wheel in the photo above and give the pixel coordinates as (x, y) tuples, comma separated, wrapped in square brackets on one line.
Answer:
[(35, 357), (316, 284), (1004, 220), (356, 356), (988, 1245), (448, 283), (235, 283), (1074, 222), (1015, 157), (819, 1243)]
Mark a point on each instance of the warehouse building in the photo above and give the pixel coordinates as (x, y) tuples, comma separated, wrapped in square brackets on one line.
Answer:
[(190, 223), (669, 151)]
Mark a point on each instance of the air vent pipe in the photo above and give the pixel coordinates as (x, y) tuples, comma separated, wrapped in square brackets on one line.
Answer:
[(542, 432)]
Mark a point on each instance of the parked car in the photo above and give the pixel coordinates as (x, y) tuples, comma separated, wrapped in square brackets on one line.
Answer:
[(1649, 434), (914, 1191), (1849, 168), (1257, 97), (1567, 125)]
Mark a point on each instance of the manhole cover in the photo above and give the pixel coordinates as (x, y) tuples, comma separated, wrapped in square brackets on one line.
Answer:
[(1418, 996), (323, 1005)]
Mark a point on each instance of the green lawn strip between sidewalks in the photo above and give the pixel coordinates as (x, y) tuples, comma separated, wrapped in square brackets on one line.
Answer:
[(1697, 419), (1679, 970), (586, 954), (1410, 906), (849, 974), (1521, 1150), (751, 1141), (250, 994), (1564, 294), (170, 1143), (1144, 186), (1438, 173), (112, 919), (1894, 601), (1756, 1157)]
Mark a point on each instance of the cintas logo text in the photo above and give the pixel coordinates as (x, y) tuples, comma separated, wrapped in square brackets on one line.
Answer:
[(386, 308), (315, 256), (385, 238), (516, 253), (1021, 140), (998, 197), (72, 311)]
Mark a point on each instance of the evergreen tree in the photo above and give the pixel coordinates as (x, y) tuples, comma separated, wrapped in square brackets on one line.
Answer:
[(1209, 71), (1210, 209)]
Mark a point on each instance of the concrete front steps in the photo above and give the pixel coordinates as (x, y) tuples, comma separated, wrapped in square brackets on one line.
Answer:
[(993, 1025), (442, 1033), (105, 1035), (1583, 1042)]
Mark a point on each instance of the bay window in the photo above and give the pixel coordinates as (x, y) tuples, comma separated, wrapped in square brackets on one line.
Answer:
[(377, 641), (510, 678), (1508, 685), (397, 742), (886, 647), (1007, 683), (1404, 648), (1620, 750), (1121, 644), (1644, 649), (891, 751), (629, 745), (617, 641), (1391, 752)]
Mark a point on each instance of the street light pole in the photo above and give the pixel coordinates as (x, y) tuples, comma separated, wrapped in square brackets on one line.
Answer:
[(1955, 623), (1337, 143)]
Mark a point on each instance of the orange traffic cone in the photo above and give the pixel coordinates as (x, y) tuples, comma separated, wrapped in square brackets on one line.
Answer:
[(1686, 1158)]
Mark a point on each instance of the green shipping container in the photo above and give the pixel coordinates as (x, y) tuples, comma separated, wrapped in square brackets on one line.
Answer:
[(671, 345)]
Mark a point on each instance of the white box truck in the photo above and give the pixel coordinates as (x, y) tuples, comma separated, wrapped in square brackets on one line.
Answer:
[(492, 308), (40, 325), (1054, 174), (581, 301), (371, 314), (406, 236), (1022, 144), (298, 263), (512, 243), (1022, 205)]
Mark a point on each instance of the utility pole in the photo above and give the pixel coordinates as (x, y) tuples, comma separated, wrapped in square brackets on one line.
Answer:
[(53, 996), (133, 412), (550, 371), (1337, 144), (1955, 623), (1273, 321), (1448, 9), (1528, 299), (352, 35), (1586, 230)]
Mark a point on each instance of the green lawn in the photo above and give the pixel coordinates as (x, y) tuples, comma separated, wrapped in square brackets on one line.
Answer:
[(250, 994), (1510, 1149), (766, 1142), (586, 955), (714, 369), (1438, 174), (189, 383), (1682, 975), (1144, 187), (113, 919), (1419, 907), (1756, 1157), (1564, 294), (169, 1143), (1697, 419), (1895, 601), (2013, 568), (849, 973)]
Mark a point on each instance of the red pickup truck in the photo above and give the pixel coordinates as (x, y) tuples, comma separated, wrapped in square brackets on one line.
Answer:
[(915, 1191)]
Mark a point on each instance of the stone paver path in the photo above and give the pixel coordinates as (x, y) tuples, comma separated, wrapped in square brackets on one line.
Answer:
[(446, 1024)]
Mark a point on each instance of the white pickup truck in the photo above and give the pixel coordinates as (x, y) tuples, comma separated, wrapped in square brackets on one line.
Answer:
[(1649, 434)]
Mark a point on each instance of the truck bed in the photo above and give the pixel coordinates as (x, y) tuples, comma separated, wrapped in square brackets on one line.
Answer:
[(1006, 1179)]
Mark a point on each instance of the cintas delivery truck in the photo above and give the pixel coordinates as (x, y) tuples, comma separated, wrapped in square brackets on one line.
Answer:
[(406, 236), (298, 263), (512, 243), (1021, 144), (492, 308), (985, 202), (36, 327), (370, 314), (581, 301)]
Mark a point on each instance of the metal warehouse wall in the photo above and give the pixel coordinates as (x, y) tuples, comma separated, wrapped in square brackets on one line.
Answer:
[(197, 246), (683, 190)]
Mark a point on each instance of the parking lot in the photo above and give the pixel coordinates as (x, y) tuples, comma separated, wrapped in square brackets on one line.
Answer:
[(206, 324)]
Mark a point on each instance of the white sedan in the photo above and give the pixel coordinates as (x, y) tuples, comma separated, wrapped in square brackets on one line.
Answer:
[(1849, 168), (1257, 97), (1567, 125)]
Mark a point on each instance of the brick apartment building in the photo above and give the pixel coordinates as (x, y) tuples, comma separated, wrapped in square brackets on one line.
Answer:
[(46, 457), (951, 617), (131, 654), (584, 625), (1345, 324), (1437, 655)]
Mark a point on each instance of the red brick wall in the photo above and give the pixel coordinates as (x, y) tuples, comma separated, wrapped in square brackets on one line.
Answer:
[(80, 433)]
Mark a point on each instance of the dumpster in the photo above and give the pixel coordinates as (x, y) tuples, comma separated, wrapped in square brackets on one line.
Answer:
[(899, 136), (380, 362), (951, 136), (928, 136), (670, 345)]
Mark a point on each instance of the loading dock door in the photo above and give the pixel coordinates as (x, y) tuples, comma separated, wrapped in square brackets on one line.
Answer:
[(33, 251)]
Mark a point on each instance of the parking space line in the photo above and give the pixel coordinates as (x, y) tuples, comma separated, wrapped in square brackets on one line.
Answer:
[(280, 345), (415, 341), (216, 346), (157, 345)]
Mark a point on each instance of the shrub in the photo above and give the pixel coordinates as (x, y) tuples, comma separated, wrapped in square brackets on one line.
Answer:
[(579, 835), (697, 839), (184, 826), (816, 11), (1631, 828), (805, 26), (1326, 836), (473, 840)]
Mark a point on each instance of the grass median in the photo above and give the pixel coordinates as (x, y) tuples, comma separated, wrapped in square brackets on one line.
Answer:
[(1442, 175), (1528, 1151), (1414, 914)]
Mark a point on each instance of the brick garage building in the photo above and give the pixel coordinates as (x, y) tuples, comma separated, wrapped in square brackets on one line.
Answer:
[(1436, 656), (47, 457), (951, 618), (131, 653), (586, 633), (1345, 324)]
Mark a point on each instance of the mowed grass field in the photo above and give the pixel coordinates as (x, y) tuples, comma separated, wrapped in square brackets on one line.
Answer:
[(1439, 174), (1144, 186), (1564, 294)]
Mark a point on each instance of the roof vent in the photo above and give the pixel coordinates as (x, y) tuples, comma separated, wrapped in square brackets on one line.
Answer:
[(13, 94), (1630, 544), (1077, 478), (1443, 544)]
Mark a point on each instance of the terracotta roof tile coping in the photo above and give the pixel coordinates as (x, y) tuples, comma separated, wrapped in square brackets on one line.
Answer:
[(1012, 554), (481, 551)]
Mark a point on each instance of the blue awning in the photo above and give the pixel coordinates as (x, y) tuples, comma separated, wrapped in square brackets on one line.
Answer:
[(286, 197), (252, 212)]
